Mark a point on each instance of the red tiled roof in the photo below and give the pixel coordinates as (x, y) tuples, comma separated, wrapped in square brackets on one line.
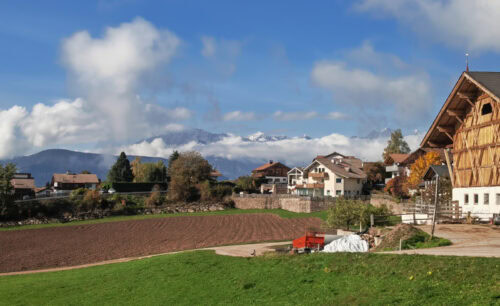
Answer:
[(75, 178), (23, 183), (340, 169), (268, 165), (399, 158)]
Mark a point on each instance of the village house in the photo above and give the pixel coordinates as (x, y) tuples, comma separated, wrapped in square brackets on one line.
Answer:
[(331, 175), (397, 165), (65, 182), (275, 176), (24, 185), (295, 176), (468, 128)]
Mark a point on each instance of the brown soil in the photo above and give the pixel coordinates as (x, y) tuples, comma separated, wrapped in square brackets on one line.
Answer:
[(400, 232), (76, 245)]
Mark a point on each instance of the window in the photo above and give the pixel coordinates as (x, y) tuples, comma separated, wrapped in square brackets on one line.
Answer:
[(328, 192), (498, 198), (486, 109), (476, 198), (466, 199), (338, 192), (338, 180), (486, 198)]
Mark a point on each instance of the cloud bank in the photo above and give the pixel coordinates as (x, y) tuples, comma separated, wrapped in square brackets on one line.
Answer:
[(293, 151)]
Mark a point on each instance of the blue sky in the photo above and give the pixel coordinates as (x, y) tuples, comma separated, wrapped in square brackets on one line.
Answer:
[(281, 67)]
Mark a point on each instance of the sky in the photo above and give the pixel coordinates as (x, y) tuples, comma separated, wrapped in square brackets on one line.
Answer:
[(102, 75)]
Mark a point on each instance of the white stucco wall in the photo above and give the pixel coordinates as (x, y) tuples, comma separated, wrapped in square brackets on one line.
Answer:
[(484, 211)]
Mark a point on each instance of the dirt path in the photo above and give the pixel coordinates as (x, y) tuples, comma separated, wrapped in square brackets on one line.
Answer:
[(468, 240), (85, 244)]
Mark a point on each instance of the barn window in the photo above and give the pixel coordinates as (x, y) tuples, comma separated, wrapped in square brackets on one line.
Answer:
[(476, 199), (466, 199), (486, 109)]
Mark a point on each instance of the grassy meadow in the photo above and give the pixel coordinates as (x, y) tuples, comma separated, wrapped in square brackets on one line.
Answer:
[(202, 277)]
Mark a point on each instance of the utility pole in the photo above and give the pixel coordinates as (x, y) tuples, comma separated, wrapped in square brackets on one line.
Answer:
[(435, 207)]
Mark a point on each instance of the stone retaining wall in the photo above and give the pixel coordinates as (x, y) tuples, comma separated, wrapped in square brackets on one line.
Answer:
[(299, 204)]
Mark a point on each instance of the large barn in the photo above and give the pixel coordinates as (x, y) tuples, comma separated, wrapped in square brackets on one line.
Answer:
[(468, 126)]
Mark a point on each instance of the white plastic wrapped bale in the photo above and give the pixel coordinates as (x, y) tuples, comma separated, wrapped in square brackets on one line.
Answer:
[(351, 243)]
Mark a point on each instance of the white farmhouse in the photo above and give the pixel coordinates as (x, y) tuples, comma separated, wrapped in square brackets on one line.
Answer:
[(332, 175)]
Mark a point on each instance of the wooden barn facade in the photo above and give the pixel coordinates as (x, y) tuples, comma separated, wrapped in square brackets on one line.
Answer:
[(468, 128)]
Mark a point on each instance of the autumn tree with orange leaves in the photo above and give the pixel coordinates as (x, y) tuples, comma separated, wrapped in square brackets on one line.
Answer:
[(420, 166)]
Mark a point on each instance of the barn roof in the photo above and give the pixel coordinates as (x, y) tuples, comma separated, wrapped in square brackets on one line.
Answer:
[(469, 86)]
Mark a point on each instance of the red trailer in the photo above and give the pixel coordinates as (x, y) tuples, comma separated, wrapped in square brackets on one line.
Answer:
[(310, 241)]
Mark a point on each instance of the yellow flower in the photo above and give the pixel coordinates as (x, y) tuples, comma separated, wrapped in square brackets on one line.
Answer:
[(429, 273), (411, 277)]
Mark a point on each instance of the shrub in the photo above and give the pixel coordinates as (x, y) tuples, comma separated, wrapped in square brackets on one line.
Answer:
[(347, 212), (397, 187), (78, 192), (154, 199)]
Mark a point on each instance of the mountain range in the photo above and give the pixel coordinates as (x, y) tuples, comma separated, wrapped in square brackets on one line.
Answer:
[(43, 164)]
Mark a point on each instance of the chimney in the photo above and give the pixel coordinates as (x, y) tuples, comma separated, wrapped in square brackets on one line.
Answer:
[(271, 161)]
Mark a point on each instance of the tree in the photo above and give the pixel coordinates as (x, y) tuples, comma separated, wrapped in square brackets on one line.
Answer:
[(85, 172), (376, 173), (420, 166), (173, 157), (248, 184), (6, 189), (396, 144), (148, 172), (121, 171), (397, 186), (347, 212), (187, 171)]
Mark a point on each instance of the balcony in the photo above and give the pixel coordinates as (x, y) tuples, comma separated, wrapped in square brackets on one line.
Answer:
[(318, 175), (311, 186), (393, 168)]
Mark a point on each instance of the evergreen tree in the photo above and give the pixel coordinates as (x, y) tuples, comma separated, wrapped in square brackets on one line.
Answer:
[(396, 144), (173, 157), (121, 171), (6, 189)]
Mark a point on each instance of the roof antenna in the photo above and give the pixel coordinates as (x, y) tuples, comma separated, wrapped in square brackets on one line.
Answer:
[(467, 62)]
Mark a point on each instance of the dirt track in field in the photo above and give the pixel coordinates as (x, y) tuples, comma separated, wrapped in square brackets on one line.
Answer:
[(83, 244)]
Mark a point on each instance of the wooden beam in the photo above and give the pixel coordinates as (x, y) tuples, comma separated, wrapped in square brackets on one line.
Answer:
[(466, 97), (457, 114), (446, 129), (450, 170)]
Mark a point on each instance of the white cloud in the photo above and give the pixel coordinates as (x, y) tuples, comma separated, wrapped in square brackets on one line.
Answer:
[(209, 46), (293, 151), (11, 138), (294, 116), (336, 116), (462, 23), (408, 96), (107, 73), (239, 116), (107, 70)]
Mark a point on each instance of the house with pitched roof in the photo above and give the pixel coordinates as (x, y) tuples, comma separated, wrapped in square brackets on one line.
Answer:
[(332, 175), (468, 129), (275, 176), (23, 184), (65, 182), (397, 165)]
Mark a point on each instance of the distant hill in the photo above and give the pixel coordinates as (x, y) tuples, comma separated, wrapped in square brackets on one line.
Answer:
[(45, 163)]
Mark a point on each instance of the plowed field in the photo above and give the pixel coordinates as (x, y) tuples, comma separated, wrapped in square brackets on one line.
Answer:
[(83, 244)]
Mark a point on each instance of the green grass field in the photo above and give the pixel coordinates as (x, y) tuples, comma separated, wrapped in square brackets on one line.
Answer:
[(195, 278), (279, 212)]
